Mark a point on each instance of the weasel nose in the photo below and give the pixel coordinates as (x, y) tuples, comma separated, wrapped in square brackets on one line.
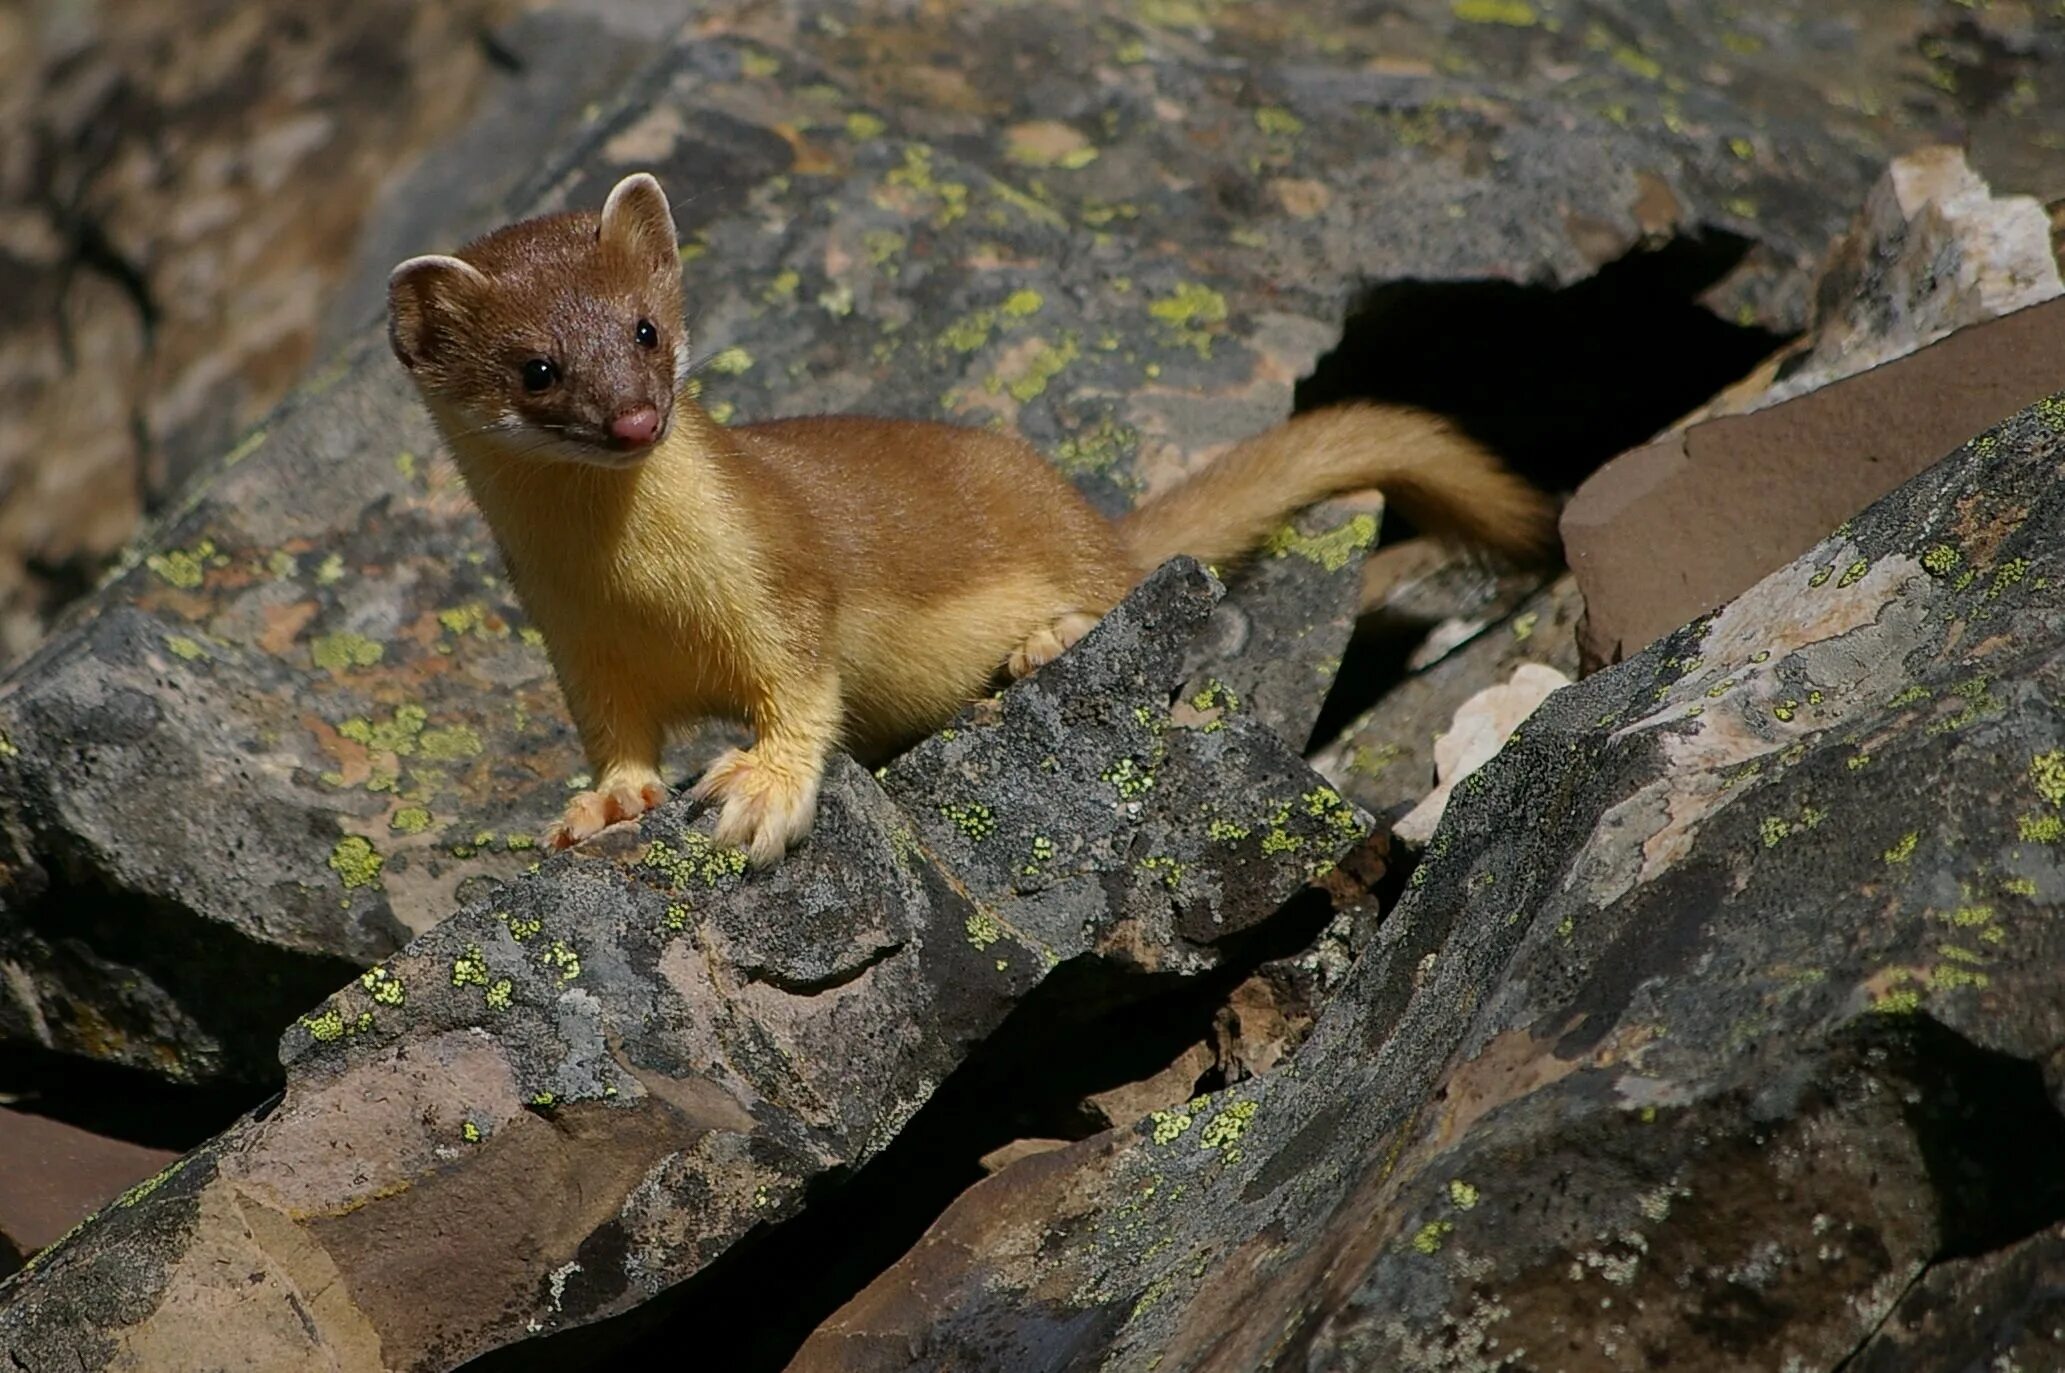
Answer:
[(635, 427)]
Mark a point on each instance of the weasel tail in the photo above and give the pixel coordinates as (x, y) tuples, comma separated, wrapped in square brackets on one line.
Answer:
[(1444, 482)]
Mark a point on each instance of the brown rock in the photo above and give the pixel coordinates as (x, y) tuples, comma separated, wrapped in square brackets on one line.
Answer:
[(1172, 1086), (1670, 530), (54, 1175)]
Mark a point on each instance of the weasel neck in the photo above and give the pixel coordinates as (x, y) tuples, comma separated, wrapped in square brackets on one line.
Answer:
[(546, 512)]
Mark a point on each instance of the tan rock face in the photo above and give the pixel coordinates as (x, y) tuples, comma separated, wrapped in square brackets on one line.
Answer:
[(185, 190)]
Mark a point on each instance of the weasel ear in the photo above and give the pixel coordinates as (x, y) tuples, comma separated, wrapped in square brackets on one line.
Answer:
[(637, 222), (424, 296)]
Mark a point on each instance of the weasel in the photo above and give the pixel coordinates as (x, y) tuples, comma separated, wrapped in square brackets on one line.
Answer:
[(833, 582)]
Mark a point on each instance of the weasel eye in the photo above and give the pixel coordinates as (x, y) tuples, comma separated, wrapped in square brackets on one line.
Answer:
[(647, 336), (539, 374)]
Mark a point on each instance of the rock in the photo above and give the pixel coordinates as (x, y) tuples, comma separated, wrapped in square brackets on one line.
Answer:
[(588, 1086), (1993, 1311), (348, 730), (1738, 499), (998, 1159), (1481, 727), (1172, 1086), (52, 1175), (1932, 251), (177, 206), (1385, 759), (1719, 1027)]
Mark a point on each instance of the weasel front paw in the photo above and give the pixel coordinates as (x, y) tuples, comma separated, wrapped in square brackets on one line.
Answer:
[(1049, 642), (766, 807), (591, 812)]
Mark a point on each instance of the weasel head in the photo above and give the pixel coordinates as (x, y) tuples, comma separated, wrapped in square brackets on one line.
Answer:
[(558, 339)]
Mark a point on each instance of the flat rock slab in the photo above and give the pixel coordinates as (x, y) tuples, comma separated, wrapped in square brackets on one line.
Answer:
[(308, 720), (1744, 494), (581, 1091), (1726, 1004)]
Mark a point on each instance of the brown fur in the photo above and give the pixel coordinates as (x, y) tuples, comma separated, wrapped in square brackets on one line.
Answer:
[(834, 581)]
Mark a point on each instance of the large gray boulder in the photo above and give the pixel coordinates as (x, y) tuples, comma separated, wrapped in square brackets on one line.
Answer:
[(569, 1097), (1721, 1025)]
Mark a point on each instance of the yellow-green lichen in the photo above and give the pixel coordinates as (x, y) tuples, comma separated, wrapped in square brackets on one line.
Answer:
[(449, 744), (697, 860), (497, 997), (1427, 1240), (356, 862), (470, 969), (1097, 449), (1278, 122), (972, 819), (1128, 778), (383, 986), (1227, 832), (731, 362), (1462, 1194), (1514, 13), (1046, 362), (1188, 311), (341, 651), (1169, 1124), (410, 820), (983, 929), (2040, 829), (1161, 866), (565, 958), (1941, 560), (1903, 848), (396, 735), (1224, 1130), (189, 649), (2047, 775), (186, 568), (1330, 550), (2006, 575), (324, 1028), (469, 1132)]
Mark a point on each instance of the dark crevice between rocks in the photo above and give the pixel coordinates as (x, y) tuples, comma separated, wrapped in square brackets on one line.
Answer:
[(223, 982), (1556, 380), (1990, 1137), (121, 1103), (1092, 1025)]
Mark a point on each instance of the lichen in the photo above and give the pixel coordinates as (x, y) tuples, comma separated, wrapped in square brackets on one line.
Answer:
[(1427, 1240), (698, 860), (1514, 13), (1903, 848), (342, 651), (1188, 311), (470, 969), (383, 986), (1128, 778), (1330, 550), (731, 362), (972, 819), (565, 958), (356, 862), (410, 820), (983, 929)]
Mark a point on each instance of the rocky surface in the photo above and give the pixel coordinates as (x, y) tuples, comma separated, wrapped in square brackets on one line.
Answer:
[(1385, 758), (1687, 999), (571, 1096), (301, 726), (1720, 1028), (184, 189)]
